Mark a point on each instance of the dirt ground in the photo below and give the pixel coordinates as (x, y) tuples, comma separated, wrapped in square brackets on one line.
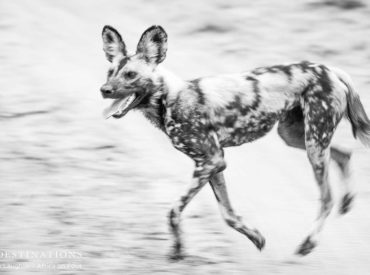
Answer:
[(72, 181)]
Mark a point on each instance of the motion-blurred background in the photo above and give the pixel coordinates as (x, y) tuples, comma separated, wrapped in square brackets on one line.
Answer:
[(72, 181)]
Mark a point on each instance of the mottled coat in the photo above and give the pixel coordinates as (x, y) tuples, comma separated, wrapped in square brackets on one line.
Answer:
[(204, 115)]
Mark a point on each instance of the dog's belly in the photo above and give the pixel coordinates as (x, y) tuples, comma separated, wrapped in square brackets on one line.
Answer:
[(246, 129)]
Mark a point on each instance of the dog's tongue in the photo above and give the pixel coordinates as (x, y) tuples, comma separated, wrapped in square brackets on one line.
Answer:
[(117, 106)]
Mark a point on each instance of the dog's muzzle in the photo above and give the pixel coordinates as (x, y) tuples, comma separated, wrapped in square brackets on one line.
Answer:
[(107, 90)]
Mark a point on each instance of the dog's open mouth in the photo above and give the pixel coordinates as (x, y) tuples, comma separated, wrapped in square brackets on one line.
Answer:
[(121, 106)]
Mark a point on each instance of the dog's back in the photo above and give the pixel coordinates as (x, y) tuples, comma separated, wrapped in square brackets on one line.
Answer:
[(243, 107)]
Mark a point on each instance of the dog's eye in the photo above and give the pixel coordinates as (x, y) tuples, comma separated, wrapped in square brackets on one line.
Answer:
[(130, 75)]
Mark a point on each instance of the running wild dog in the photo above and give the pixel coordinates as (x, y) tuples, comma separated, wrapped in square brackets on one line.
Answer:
[(204, 115)]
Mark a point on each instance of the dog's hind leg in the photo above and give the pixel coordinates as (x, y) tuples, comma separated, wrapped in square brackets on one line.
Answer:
[(218, 185), (291, 130), (321, 116), (319, 158)]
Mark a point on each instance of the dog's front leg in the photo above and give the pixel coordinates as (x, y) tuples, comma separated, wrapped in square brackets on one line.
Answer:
[(175, 215), (219, 188), (201, 176)]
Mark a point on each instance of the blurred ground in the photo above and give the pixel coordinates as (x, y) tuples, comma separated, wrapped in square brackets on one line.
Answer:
[(70, 180)]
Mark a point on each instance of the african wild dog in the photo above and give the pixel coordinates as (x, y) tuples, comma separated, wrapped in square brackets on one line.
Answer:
[(204, 115)]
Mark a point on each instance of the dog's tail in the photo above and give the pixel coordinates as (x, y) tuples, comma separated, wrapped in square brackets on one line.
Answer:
[(355, 110)]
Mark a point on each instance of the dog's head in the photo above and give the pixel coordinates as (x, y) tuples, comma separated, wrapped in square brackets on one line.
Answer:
[(131, 77)]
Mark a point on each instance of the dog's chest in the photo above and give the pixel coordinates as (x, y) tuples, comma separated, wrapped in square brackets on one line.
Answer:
[(187, 133)]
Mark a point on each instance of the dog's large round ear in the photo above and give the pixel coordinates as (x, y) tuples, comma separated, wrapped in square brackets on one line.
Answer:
[(153, 44), (113, 44)]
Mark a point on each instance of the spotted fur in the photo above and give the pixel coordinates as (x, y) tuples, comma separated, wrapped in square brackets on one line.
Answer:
[(205, 115)]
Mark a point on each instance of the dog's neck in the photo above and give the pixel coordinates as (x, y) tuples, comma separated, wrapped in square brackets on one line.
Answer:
[(163, 90), (172, 82)]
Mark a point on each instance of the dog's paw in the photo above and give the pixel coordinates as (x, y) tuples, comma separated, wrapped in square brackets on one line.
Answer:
[(306, 247), (175, 257), (176, 253), (258, 240), (346, 203)]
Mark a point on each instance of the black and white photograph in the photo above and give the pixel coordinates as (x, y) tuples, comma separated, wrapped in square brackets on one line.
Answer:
[(185, 137)]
